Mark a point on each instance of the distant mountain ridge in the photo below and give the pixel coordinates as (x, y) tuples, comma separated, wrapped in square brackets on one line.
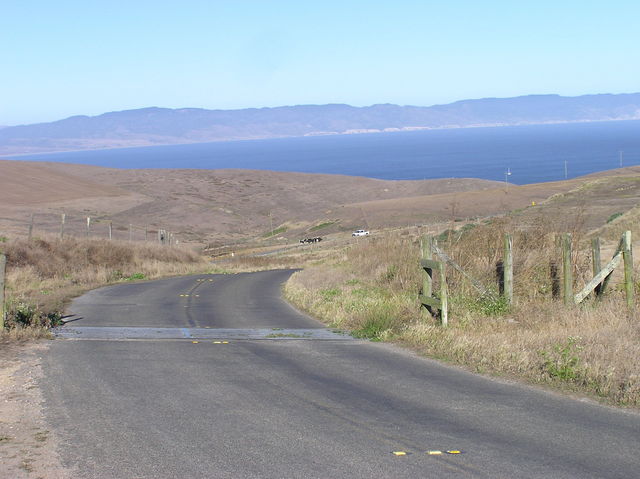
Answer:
[(162, 126)]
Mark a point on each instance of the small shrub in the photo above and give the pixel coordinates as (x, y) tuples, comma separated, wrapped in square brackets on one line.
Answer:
[(135, 277), (378, 320), (614, 216), (22, 314), (562, 361)]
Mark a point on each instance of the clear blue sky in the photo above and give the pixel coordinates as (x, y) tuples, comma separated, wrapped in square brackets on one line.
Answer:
[(65, 57)]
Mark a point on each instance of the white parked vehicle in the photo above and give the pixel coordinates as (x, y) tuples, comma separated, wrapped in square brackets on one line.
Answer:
[(360, 233)]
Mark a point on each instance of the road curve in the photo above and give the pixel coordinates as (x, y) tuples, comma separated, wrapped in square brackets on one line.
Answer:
[(245, 300), (299, 408)]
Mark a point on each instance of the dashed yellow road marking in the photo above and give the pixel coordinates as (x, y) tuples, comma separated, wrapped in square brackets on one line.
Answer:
[(454, 452), (434, 453), (399, 453), (195, 342)]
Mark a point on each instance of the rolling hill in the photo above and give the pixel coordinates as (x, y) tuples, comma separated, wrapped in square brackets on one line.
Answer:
[(223, 206), (157, 126)]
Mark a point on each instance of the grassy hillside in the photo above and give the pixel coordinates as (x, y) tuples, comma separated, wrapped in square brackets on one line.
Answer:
[(205, 206)]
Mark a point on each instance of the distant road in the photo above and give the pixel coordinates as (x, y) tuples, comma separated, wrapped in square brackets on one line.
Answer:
[(296, 405)]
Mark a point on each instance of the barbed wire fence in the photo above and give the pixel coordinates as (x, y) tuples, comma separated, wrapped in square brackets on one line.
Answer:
[(65, 225)]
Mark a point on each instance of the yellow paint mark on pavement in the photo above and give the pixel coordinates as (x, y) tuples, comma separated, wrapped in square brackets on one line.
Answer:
[(194, 342), (399, 453), (454, 452), (434, 453)]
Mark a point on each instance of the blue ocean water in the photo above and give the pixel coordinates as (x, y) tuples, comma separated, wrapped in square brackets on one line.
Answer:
[(532, 153)]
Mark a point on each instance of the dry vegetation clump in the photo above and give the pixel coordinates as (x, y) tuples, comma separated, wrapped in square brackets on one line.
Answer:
[(44, 273), (372, 290)]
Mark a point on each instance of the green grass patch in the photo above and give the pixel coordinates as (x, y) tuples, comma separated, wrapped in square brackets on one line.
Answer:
[(378, 320), (135, 277), (330, 294), (322, 225), (275, 232)]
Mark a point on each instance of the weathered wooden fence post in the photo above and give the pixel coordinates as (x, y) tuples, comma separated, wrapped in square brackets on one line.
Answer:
[(146, 233), (426, 250), (130, 232), (444, 296), (31, 227), (596, 261), (627, 256), (88, 226), (428, 265), (62, 218), (110, 230), (567, 270), (507, 264), (3, 265), (555, 279)]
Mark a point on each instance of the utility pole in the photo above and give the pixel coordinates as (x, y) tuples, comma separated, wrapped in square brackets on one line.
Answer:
[(621, 153), (565, 169)]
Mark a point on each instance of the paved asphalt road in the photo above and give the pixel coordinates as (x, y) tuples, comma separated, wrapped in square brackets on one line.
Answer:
[(298, 408)]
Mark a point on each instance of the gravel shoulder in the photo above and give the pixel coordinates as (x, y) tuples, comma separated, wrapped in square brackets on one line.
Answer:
[(27, 444)]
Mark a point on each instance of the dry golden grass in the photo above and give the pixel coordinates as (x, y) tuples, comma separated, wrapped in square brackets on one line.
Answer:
[(372, 289), (45, 273)]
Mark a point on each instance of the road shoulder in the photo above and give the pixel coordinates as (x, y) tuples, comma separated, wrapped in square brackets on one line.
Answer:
[(28, 446)]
